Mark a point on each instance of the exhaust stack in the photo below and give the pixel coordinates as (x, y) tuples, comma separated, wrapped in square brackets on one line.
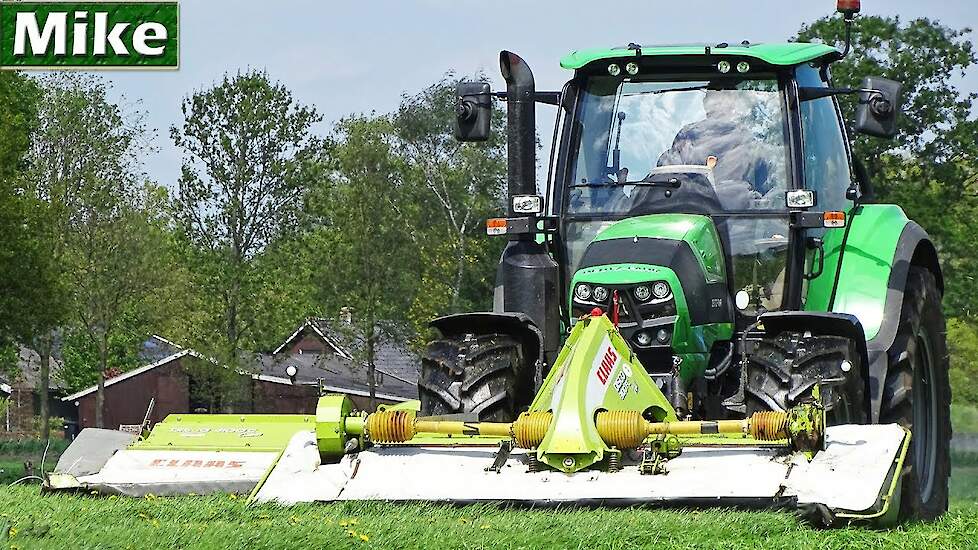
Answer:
[(521, 126)]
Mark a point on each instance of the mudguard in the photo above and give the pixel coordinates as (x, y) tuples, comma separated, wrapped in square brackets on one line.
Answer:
[(876, 252)]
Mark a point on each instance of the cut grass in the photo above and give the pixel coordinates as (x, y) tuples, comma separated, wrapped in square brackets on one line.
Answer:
[(224, 521)]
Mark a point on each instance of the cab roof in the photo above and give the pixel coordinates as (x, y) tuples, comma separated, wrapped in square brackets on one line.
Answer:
[(791, 53)]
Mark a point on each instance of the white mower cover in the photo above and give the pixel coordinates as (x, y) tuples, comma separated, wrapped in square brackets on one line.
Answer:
[(851, 474)]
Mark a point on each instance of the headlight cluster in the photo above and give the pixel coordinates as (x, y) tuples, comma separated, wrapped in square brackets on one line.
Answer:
[(658, 290)]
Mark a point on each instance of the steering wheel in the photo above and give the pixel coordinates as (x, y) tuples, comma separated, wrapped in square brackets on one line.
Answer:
[(678, 188)]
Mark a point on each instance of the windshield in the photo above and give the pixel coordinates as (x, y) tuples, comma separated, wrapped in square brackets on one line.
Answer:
[(678, 146)]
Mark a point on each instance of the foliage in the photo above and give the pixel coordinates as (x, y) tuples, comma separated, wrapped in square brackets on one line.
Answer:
[(103, 228), (357, 211), (28, 292), (962, 342), (220, 521), (452, 189), (246, 142)]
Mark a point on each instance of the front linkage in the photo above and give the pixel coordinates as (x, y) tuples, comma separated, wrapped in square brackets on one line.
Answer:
[(596, 402)]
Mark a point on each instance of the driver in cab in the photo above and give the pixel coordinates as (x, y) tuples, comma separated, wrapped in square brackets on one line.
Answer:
[(742, 170)]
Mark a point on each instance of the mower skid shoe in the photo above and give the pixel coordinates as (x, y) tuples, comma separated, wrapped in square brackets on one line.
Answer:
[(851, 478)]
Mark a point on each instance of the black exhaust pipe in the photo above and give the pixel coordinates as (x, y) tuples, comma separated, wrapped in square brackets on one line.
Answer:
[(521, 126), (526, 281)]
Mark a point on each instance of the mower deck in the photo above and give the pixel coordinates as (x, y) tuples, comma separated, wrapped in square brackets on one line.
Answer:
[(851, 476)]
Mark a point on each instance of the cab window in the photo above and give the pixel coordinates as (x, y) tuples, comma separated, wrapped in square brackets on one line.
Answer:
[(826, 160)]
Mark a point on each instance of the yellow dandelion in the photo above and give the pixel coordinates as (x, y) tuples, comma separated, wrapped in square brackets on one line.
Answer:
[(485, 526), (344, 523), (233, 496), (156, 523), (150, 496), (353, 521), (364, 538), (12, 532)]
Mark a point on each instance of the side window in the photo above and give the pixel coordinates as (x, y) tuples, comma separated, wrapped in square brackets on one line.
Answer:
[(826, 162)]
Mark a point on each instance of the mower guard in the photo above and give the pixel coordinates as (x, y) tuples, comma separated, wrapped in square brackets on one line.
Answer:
[(855, 477)]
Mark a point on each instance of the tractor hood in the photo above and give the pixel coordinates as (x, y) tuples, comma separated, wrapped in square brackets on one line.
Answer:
[(669, 276), (683, 250), (666, 231)]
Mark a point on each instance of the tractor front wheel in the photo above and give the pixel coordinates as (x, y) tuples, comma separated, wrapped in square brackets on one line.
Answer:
[(917, 395), (784, 370), (481, 374)]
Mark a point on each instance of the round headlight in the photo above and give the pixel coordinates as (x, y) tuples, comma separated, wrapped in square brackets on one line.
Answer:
[(723, 66), (660, 289), (582, 292), (600, 294), (632, 68), (614, 70), (643, 293), (643, 338)]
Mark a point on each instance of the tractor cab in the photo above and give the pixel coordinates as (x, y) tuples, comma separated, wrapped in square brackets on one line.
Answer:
[(680, 178)]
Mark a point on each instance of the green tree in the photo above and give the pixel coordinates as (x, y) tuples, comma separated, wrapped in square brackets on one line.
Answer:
[(365, 257), (84, 149), (452, 189), (113, 272), (246, 145), (28, 292)]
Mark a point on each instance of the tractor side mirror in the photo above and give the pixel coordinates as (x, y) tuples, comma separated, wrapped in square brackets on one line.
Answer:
[(473, 111), (879, 106)]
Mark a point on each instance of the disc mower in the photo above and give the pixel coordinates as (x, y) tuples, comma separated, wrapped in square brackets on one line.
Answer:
[(704, 307)]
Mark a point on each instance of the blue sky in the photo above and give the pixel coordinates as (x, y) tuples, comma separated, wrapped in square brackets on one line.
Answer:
[(347, 57)]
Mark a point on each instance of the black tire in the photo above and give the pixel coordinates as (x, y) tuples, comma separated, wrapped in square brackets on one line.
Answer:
[(917, 395), (482, 374), (784, 370)]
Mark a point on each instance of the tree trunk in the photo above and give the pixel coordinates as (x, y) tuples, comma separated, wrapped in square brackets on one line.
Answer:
[(459, 269), (371, 368), (100, 390), (43, 383)]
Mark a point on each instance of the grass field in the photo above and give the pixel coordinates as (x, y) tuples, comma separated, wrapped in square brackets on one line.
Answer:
[(29, 520)]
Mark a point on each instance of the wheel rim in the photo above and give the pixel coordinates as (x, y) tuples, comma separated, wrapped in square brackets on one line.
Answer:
[(924, 427)]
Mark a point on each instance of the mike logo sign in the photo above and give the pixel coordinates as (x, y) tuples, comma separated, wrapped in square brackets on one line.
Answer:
[(89, 35)]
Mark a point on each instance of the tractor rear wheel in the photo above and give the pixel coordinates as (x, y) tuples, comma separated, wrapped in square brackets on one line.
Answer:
[(482, 374), (784, 370), (917, 395)]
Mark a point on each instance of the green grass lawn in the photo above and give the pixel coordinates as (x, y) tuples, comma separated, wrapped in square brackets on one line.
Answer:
[(30, 520), (964, 418)]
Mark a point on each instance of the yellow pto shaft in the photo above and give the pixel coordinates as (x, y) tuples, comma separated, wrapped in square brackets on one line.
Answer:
[(622, 429)]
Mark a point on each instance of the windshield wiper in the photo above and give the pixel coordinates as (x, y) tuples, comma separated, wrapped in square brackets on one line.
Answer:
[(658, 180)]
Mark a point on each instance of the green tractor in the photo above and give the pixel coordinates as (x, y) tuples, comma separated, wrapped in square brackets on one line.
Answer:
[(705, 198)]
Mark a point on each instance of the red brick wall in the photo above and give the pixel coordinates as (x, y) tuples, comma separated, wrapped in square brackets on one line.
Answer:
[(126, 401)]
